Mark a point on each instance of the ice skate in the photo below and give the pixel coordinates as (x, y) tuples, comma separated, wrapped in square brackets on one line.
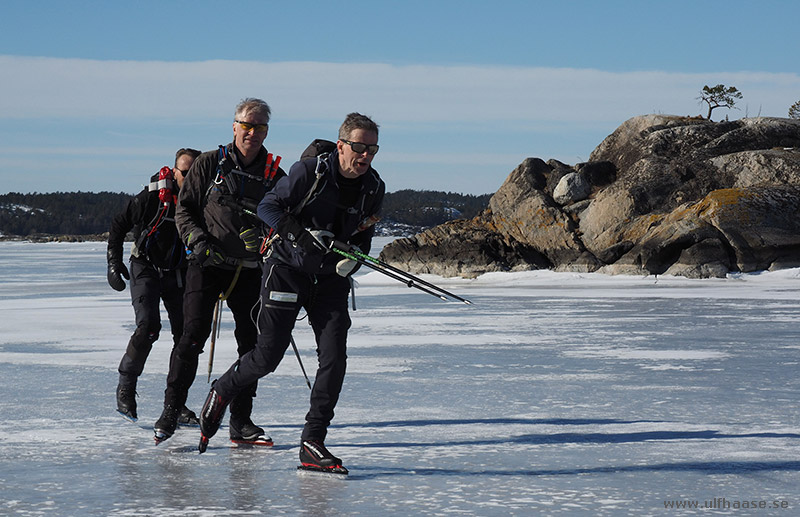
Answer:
[(165, 426), (126, 402), (247, 433), (316, 458), (211, 417), (188, 418)]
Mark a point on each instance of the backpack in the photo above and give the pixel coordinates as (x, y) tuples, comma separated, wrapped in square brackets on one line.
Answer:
[(160, 244), (317, 148)]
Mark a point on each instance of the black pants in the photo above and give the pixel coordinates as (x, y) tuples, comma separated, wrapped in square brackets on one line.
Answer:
[(148, 286), (284, 291), (204, 285)]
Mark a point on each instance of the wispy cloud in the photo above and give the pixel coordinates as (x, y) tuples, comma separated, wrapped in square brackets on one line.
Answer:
[(47, 87), (473, 123)]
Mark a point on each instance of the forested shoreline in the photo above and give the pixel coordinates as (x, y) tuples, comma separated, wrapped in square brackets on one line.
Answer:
[(87, 215)]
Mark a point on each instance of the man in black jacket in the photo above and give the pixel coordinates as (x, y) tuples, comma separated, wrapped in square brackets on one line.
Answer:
[(322, 199), (217, 222), (158, 271)]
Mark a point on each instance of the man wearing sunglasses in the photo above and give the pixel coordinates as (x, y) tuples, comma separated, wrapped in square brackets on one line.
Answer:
[(216, 219), (157, 273), (323, 199)]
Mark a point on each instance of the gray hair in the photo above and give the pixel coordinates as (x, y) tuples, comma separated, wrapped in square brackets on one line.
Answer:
[(355, 121), (253, 106)]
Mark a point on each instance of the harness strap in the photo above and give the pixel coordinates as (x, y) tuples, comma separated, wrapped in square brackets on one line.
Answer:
[(234, 187), (249, 264)]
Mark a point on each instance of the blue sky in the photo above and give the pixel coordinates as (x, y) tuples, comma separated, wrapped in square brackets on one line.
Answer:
[(97, 96)]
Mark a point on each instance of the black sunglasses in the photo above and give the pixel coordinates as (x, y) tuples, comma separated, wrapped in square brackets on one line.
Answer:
[(359, 148)]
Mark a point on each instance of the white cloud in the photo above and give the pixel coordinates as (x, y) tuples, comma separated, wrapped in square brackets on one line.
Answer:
[(49, 87), (474, 123)]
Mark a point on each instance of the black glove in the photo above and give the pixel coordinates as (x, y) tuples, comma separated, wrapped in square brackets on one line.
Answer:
[(322, 239), (116, 271), (315, 242), (208, 254), (251, 238)]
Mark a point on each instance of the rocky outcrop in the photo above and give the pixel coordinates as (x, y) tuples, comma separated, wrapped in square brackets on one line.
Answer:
[(464, 248), (660, 195)]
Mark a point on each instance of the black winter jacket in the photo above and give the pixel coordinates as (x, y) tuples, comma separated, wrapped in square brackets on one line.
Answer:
[(218, 201), (161, 246), (321, 211)]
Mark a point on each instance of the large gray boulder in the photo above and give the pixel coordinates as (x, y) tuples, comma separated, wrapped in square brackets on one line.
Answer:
[(660, 195)]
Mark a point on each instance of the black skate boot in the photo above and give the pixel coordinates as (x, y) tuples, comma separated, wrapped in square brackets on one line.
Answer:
[(187, 418), (165, 426), (245, 432), (210, 417), (126, 401), (242, 429), (315, 457)]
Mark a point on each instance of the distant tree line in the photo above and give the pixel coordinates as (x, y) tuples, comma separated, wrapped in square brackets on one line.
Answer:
[(427, 208), (89, 213), (62, 213)]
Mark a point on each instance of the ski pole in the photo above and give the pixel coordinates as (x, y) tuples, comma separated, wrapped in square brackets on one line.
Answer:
[(296, 353), (214, 334), (217, 327), (408, 281), (350, 249)]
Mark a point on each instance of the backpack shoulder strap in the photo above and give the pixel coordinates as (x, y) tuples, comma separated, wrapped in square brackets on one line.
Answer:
[(319, 171)]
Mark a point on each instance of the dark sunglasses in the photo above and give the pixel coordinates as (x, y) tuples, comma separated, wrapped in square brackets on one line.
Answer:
[(247, 126), (359, 148)]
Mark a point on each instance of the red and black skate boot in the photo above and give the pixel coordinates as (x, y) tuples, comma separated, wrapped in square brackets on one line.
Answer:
[(245, 432), (210, 417), (315, 457)]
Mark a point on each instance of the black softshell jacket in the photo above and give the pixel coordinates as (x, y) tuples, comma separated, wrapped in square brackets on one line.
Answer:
[(164, 249), (207, 203)]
